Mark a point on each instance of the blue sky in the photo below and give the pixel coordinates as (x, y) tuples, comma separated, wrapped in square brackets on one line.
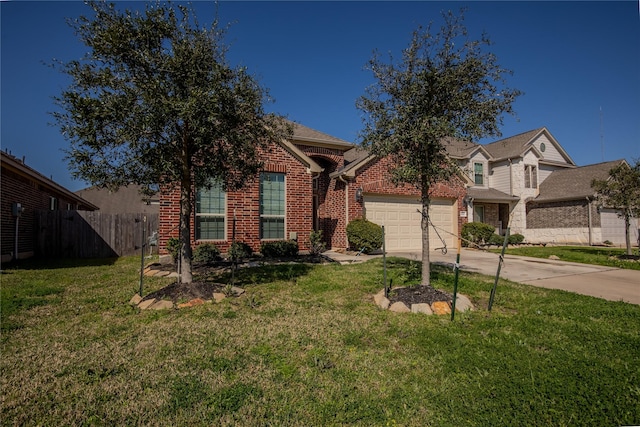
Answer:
[(578, 64)]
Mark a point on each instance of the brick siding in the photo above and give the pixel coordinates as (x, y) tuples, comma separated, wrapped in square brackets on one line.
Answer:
[(567, 214), (33, 196), (246, 204), (334, 197)]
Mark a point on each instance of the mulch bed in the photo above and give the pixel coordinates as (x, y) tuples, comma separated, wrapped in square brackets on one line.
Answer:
[(418, 294), (204, 290)]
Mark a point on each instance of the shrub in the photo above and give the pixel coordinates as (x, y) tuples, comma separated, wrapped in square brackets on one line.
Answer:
[(173, 247), (279, 249), (206, 253), (516, 239), (239, 250), (364, 235), (476, 232), (496, 240), (316, 243)]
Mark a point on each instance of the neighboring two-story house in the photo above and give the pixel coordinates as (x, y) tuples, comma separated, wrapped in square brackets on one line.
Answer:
[(530, 184)]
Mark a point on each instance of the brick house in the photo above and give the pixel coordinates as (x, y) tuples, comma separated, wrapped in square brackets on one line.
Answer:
[(25, 191), (315, 182)]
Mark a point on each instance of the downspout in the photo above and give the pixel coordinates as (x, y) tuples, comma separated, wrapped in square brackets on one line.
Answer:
[(589, 220), (346, 207), (15, 254)]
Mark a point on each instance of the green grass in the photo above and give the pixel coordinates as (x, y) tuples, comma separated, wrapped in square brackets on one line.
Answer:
[(609, 257), (306, 346)]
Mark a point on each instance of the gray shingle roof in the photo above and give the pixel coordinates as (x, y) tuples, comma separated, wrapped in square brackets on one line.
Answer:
[(512, 146), (126, 200), (304, 133), (490, 195), (459, 149), (570, 184)]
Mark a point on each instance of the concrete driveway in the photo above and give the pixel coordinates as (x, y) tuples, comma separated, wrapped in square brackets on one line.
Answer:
[(609, 283)]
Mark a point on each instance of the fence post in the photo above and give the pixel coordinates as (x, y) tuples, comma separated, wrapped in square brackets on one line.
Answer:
[(144, 238), (495, 283)]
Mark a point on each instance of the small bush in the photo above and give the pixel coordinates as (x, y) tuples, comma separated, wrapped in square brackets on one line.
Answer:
[(496, 240), (239, 250), (173, 247), (516, 239), (279, 249), (317, 246), (206, 253), (364, 235), (476, 232)]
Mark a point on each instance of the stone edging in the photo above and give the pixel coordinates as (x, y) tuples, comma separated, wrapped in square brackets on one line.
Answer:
[(157, 304), (439, 307)]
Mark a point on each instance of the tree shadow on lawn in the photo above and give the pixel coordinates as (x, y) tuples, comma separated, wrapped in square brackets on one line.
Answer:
[(260, 274), (218, 278), (619, 253)]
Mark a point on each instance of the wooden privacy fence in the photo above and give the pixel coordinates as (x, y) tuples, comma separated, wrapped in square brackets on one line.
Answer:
[(86, 234)]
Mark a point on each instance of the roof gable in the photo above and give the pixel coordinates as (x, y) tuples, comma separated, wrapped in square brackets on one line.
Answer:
[(571, 184), (517, 145)]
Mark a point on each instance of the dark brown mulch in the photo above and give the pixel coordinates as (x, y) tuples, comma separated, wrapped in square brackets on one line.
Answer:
[(418, 294)]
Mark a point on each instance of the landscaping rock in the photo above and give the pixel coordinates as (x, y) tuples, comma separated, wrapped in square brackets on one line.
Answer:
[(399, 307), (423, 308), (135, 300), (441, 307), (194, 302), (218, 296), (463, 303), (381, 300), (161, 305), (145, 304), (554, 257), (237, 291)]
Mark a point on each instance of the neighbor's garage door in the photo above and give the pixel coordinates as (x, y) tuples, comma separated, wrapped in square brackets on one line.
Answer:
[(613, 227), (401, 219)]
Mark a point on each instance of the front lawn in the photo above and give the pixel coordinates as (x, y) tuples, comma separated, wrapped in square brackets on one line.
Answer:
[(609, 257), (305, 345)]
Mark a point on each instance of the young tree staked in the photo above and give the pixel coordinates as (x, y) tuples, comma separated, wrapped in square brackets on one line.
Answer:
[(621, 191), (445, 85), (154, 102)]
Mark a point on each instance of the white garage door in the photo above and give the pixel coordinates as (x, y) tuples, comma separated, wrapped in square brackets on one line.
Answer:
[(613, 227), (401, 219)]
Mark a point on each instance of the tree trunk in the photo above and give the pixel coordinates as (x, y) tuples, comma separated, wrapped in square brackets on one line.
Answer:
[(627, 229), (186, 186), (185, 233), (426, 264)]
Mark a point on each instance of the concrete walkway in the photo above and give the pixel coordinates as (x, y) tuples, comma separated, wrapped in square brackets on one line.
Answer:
[(609, 283)]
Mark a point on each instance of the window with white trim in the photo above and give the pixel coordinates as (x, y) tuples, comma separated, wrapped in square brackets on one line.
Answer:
[(478, 173), (272, 205), (211, 215), (530, 176)]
